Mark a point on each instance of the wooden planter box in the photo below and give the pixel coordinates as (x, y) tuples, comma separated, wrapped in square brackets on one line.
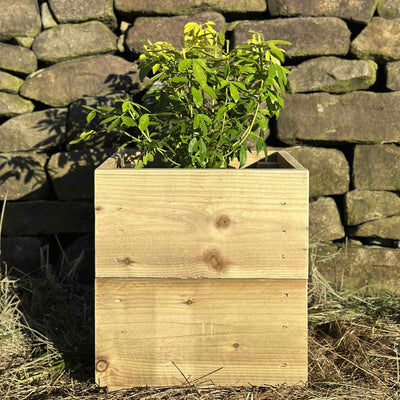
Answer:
[(201, 272)]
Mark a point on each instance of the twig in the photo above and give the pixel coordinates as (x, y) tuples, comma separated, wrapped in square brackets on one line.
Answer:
[(191, 384)]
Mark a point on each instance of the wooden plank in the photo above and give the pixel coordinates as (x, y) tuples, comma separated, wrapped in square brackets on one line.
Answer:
[(181, 223), (256, 330)]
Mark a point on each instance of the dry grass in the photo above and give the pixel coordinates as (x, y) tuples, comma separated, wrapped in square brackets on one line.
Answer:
[(46, 345)]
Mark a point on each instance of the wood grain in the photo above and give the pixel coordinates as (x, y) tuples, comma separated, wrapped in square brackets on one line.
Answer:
[(256, 330), (180, 223)]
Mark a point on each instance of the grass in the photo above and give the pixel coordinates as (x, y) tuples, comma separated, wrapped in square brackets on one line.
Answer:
[(46, 344)]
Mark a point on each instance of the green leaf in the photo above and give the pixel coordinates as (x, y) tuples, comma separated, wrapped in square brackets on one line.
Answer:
[(202, 147), (203, 127), (90, 116), (155, 68), (143, 72), (144, 122), (177, 79), (192, 145), (109, 119), (220, 112), (206, 119), (184, 65), (242, 156), (197, 96), (210, 91), (199, 73), (196, 121), (259, 144), (139, 164), (234, 92), (113, 125), (128, 121), (240, 85), (262, 121)]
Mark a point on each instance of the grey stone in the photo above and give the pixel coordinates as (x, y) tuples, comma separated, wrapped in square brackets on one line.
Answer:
[(17, 59), (389, 9), (384, 228), (329, 170), (356, 117), (23, 176), (23, 41), (47, 18), (360, 11), (68, 41), (77, 123), (12, 104), (9, 83), (34, 131), (88, 76), (167, 29), (393, 75), (81, 11), (325, 223), (319, 36), (332, 74), (44, 217), (22, 252), (72, 173), (377, 167), (365, 205), (379, 40), (175, 7), (359, 267), (19, 18)]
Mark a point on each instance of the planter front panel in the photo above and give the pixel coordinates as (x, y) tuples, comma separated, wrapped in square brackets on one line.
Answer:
[(180, 223), (249, 331)]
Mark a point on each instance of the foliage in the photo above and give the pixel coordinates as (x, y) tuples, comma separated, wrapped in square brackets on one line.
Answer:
[(206, 99)]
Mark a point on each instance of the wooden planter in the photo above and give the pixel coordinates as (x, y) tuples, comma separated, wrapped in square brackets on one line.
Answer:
[(201, 272)]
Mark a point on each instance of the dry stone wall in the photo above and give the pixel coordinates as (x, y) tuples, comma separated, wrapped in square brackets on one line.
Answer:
[(341, 118)]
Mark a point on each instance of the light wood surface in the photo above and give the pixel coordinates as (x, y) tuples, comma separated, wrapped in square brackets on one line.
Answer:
[(256, 330), (180, 223)]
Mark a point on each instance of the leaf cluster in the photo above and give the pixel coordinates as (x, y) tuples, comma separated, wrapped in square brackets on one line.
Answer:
[(205, 101)]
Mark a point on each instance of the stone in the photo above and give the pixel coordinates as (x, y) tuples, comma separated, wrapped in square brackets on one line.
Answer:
[(130, 8), (332, 74), (359, 11), (384, 228), (377, 167), (17, 59), (22, 252), (72, 173), (365, 205), (356, 117), (73, 11), (389, 9), (47, 18), (68, 41), (361, 268), (12, 104), (332, 33), (329, 170), (325, 223), (9, 83), (47, 217), (23, 41), (19, 18), (77, 123), (88, 76), (23, 176), (379, 41), (167, 29), (39, 130), (393, 75)]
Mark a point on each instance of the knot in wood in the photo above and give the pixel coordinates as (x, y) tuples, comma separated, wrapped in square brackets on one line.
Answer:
[(223, 221), (236, 345), (189, 302), (101, 365), (215, 262)]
